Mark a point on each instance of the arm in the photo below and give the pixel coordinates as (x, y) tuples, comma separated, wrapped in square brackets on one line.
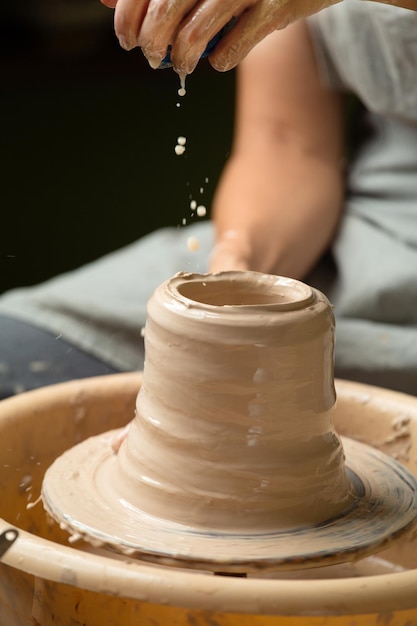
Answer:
[(280, 197)]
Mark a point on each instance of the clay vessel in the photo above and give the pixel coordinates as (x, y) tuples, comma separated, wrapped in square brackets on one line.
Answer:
[(232, 462), (238, 383)]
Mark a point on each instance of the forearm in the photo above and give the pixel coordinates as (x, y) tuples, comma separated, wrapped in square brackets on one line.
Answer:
[(280, 197), (277, 212)]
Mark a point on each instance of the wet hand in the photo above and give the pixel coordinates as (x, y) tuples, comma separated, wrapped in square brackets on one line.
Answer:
[(188, 26)]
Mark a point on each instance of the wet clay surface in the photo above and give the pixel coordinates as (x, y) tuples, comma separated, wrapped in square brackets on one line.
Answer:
[(232, 462)]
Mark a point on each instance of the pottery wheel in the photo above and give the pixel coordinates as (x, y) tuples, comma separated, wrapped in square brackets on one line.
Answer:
[(79, 496)]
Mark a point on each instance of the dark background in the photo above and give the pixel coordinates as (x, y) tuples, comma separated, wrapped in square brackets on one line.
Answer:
[(88, 134)]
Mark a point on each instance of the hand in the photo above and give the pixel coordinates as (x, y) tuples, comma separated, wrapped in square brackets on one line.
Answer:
[(188, 26), (231, 252)]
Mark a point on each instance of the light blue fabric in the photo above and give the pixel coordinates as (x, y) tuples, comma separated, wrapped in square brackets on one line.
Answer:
[(371, 50), (101, 307)]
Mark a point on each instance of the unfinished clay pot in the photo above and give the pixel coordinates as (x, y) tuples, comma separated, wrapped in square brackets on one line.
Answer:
[(232, 462)]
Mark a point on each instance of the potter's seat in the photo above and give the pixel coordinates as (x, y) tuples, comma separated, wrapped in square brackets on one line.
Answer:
[(232, 463)]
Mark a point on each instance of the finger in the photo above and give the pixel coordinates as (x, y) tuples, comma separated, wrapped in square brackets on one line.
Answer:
[(252, 26), (258, 22), (162, 19), (199, 27), (128, 19)]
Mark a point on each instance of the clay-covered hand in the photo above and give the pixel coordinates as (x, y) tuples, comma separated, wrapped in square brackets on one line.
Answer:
[(188, 26)]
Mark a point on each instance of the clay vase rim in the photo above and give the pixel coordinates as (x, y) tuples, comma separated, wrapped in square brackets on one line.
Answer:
[(266, 291)]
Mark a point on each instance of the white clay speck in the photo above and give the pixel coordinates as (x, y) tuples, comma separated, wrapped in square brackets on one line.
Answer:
[(193, 205), (182, 140), (179, 149), (201, 189), (193, 244), (201, 211)]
